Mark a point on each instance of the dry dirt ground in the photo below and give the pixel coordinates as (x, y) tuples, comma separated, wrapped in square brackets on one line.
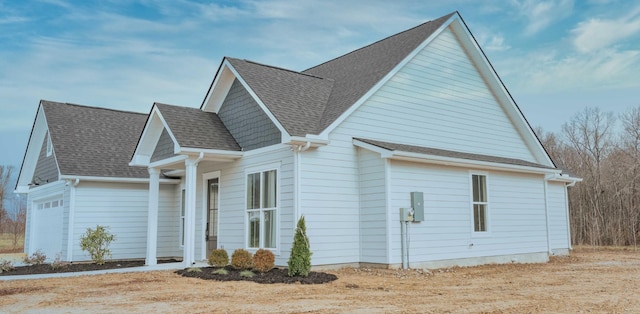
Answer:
[(600, 281)]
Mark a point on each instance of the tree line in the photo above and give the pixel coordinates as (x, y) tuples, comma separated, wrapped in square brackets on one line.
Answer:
[(604, 150), (11, 222)]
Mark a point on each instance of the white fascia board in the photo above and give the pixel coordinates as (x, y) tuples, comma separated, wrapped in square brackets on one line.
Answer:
[(255, 97), (149, 138), (385, 79), (212, 154), (219, 88), (114, 179), (468, 163), (168, 161), (565, 178), (21, 189), (499, 90), (384, 153), (32, 152), (303, 140)]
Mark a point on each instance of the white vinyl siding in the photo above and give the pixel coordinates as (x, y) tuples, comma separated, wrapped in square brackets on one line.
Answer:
[(439, 100), (373, 209), (123, 207), (232, 200), (518, 223)]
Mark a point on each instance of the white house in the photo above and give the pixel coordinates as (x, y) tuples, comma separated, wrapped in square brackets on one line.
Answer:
[(417, 120)]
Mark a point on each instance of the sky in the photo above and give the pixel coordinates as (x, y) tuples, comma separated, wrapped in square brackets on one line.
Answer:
[(555, 57)]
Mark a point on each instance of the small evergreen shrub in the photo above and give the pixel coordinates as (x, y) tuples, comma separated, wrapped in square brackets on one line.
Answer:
[(263, 260), (220, 271), (300, 258), (219, 258), (96, 243), (247, 274), (37, 258), (5, 265), (241, 259)]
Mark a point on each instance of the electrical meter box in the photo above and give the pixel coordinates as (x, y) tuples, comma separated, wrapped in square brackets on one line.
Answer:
[(417, 203), (406, 214)]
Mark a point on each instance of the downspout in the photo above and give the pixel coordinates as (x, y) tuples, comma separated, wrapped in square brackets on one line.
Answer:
[(71, 222), (566, 207), (546, 213)]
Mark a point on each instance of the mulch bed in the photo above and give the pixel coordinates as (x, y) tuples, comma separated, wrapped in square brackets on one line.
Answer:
[(276, 275), (76, 267)]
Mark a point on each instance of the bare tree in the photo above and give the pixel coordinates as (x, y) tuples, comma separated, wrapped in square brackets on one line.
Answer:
[(5, 178)]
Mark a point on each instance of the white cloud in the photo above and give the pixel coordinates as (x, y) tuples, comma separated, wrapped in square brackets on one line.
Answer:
[(595, 34), (542, 14), (550, 71)]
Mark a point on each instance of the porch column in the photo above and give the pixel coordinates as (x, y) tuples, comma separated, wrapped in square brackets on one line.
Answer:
[(152, 218), (191, 171)]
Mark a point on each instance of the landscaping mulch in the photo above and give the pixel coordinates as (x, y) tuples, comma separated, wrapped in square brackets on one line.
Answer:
[(76, 267), (276, 275)]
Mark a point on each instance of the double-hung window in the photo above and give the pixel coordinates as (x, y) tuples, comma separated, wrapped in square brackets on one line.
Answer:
[(480, 203), (262, 207)]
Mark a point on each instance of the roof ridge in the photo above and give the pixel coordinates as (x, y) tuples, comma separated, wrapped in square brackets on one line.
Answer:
[(378, 41), (92, 107), (285, 69)]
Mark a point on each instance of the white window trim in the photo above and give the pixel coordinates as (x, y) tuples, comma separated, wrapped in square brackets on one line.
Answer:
[(488, 211), (49, 145), (260, 169)]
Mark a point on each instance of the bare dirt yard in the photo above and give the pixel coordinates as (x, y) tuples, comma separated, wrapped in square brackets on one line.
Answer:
[(590, 280)]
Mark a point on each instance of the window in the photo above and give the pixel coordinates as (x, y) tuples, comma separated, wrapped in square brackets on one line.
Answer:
[(49, 146), (262, 204), (480, 204), (182, 209)]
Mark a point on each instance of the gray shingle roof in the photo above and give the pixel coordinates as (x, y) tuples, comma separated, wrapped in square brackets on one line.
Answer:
[(195, 128), (308, 102), (450, 153), (296, 99), (357, 72), (90, 141)]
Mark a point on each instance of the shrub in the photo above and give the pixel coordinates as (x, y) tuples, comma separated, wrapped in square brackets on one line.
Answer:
[(194, 270), (263, 260), (247, 274), (5, 265), (96, 242), (219, 258), (241, 259), (300, 258), (36, 258), (220, 271)]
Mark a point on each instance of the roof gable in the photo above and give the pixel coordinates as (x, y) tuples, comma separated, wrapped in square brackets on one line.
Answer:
[(90, 141), (357, 72), (194, 128)]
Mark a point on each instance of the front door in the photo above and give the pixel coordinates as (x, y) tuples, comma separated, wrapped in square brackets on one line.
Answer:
[(211, 233)]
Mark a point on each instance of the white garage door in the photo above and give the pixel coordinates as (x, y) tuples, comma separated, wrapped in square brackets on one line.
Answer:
[(48, 227)]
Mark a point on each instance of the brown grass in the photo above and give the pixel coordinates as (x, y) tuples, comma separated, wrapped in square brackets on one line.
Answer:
[(6, 244)]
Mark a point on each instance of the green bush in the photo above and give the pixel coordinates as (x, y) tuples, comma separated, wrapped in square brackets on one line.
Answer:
[(241, 259), (37, 258), (220, 271), (5, 265), (96, 242), (263, 260), (219, 258), (247, 274), (300, 258)]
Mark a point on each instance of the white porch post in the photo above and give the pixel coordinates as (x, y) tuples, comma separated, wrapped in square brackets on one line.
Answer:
[(191, 171), (152, 219)]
